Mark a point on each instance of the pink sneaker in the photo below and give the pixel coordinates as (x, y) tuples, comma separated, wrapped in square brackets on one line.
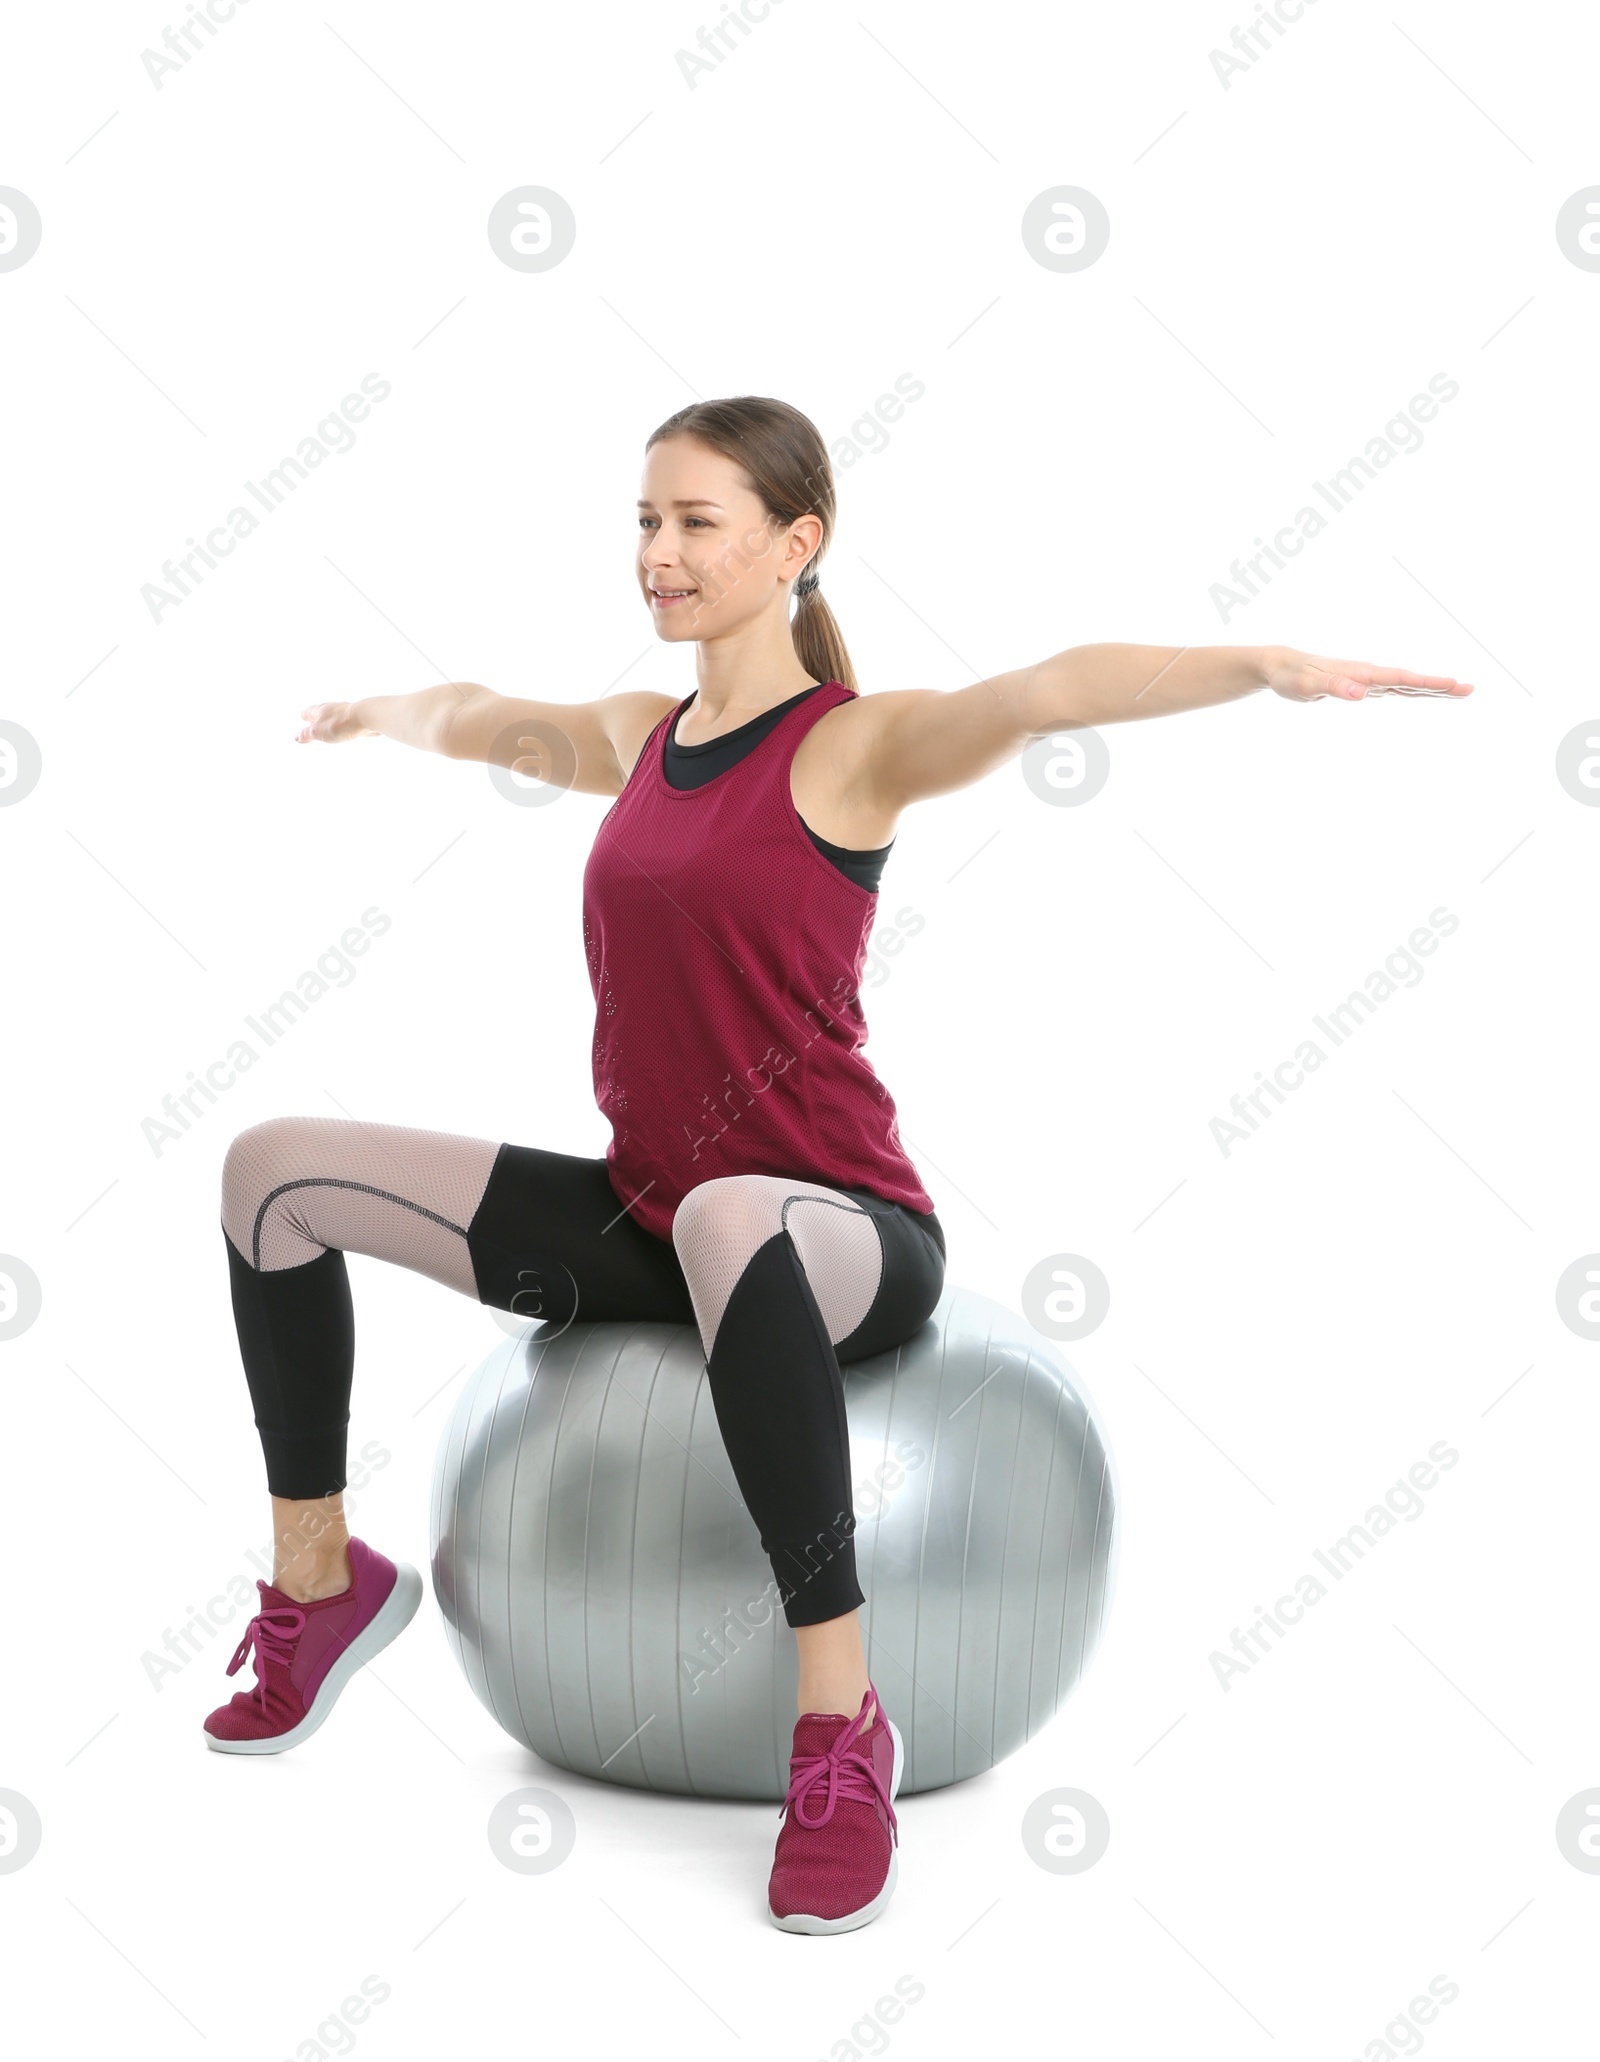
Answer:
[(306, 1653), (836, 1865)]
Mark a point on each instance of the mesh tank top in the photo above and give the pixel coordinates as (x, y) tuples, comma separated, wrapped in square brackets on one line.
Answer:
[(725, 952), (691, 766)]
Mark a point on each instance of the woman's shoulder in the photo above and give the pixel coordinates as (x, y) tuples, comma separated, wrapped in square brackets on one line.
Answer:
[(865, 714), (837, 775)]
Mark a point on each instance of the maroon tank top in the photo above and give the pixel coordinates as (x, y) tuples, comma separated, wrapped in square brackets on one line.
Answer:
[(726, 953)]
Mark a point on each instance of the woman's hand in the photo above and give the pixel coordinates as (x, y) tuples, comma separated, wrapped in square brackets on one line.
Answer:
[(1300, 678), (331, 723)]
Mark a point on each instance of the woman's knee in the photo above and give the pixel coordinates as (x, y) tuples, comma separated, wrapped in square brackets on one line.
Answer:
[(730, 1213), (716, 1229), (721, 1226), (256, 1162)]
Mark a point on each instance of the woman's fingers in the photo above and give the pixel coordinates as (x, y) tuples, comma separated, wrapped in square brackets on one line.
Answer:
[(1353, 680), (1396, 680), (322, 722)]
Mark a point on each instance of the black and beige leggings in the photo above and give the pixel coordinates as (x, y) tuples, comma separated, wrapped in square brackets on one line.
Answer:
[(783, 1279)]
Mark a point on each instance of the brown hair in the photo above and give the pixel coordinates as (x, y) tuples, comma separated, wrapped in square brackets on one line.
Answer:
[(786, 463)]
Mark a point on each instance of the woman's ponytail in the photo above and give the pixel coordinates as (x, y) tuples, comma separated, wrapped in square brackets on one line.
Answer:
[(818, 641)]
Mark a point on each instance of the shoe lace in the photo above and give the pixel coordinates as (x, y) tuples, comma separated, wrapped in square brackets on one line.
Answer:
[(848, 1772), (272, 1633)]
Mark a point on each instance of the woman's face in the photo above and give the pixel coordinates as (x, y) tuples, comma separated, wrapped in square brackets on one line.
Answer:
[(710, 558)]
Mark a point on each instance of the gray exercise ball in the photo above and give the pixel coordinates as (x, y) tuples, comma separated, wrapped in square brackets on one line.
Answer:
[(605, 1591)]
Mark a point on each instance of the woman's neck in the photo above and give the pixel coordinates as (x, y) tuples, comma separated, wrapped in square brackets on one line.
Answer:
[(743, 675)]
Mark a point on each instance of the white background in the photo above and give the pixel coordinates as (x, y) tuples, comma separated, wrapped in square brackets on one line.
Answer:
[(1292, 1325)]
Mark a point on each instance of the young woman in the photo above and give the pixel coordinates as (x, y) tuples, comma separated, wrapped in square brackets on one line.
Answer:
[(755, 1185)]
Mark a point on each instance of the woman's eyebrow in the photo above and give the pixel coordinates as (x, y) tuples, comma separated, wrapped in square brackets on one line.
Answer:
[(699, 502)]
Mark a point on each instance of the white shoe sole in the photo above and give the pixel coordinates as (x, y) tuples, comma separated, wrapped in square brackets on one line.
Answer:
[(808, 1922), (397, 1612)]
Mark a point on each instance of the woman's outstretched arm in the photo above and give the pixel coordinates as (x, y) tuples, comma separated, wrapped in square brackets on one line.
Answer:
[(923, 742), (590, 746)]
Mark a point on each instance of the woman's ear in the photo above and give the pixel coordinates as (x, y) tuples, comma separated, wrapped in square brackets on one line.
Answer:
[(805, 535)]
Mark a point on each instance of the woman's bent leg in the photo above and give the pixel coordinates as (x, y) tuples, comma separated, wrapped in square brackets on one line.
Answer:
[(297, 1193), (538, 1233), (786, 1277)]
